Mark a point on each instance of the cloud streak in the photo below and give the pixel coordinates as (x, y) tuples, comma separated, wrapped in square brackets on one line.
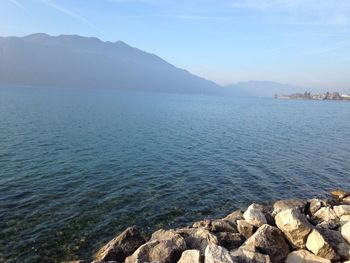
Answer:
[(71, 14)]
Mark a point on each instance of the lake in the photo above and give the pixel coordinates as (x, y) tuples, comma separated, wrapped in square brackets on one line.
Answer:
[(79, 166)]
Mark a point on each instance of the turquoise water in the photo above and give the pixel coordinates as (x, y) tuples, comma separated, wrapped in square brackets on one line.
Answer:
[(78, 166)]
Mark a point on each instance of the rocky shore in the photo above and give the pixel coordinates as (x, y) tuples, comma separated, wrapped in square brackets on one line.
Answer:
[(311, 231)]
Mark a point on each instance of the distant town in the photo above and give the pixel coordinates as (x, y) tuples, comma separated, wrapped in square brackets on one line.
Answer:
[(316, 96)]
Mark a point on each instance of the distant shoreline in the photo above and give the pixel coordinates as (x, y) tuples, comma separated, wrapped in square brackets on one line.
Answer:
[(310, 96)]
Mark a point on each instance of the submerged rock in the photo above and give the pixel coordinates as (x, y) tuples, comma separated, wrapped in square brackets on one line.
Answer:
[(121, 246), (295, 226), (217, 254), (270, 240), (304, 256)]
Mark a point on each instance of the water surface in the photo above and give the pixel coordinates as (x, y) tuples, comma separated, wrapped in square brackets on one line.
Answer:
[(78, 166)]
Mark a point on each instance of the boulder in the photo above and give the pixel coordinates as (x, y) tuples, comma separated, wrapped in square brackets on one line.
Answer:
[(304, 256), (341, 210), (245, 228), (328, 244), (121, 246), (282, 205), (191, 256), (248, 254), (344, 219), (295, 226), (255, 216), (345, 231), (217, 254), (229, 240), (164, 247), (197, 238), (325, 214), (269, 240), (333, 224), (218, 225), (234, 216), (339, 194), (313, 205), (346, 200)]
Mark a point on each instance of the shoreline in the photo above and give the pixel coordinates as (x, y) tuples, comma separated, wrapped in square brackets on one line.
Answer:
[(293, 230)]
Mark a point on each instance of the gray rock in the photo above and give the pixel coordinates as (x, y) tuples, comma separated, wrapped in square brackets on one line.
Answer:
[(246, 229), (247, 254), (197, 238), (270, 240), (191, 256), (164, 247), (218, 225), (229, 240), (304, 256), (217, 254), (234, 216), (313, 206), (282, 205), (295, 226), (121, 246)]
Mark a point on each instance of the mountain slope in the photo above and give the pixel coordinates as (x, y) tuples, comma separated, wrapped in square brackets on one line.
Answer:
[(75, 61)]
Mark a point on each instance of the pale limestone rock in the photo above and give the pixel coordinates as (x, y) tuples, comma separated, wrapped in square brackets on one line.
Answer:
[(282, 205), (341, 210), (248, 254), (197, 238), (218, 225), (344, 219), (269, 240), (304, 256), (325, 214), (295, 226), (328, 244), (245, 228), (217, 254), (121, 246), (191, 256), (346, 200), (345, 231), (254, 215)]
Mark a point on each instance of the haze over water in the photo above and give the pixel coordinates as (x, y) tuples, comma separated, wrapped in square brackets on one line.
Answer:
[(78, 166)]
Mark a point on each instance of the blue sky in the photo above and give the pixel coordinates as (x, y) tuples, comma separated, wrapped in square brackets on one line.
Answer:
[(300, 42)]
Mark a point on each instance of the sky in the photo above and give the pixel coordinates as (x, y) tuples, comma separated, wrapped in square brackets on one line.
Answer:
[(298, 42)]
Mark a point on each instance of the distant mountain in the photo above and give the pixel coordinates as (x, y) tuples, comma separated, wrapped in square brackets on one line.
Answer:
[(75, 61), (261, 89)]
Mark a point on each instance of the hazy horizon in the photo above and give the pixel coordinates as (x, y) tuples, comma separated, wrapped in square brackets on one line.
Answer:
[(291, 42)]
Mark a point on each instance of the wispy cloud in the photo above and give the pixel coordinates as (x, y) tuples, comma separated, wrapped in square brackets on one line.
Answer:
[(71, 14), (18, 4)]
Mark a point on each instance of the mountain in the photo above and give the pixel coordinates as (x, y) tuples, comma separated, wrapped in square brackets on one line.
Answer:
[(75, 61), (261, 89)]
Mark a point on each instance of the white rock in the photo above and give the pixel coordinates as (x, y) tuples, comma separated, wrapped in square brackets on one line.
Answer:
[(294, 225), (217, 254), (255, 216), (248, 254), (345, 231), (317, 244), (344, 219), (341, 210), (190, 256), (304, 256)]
